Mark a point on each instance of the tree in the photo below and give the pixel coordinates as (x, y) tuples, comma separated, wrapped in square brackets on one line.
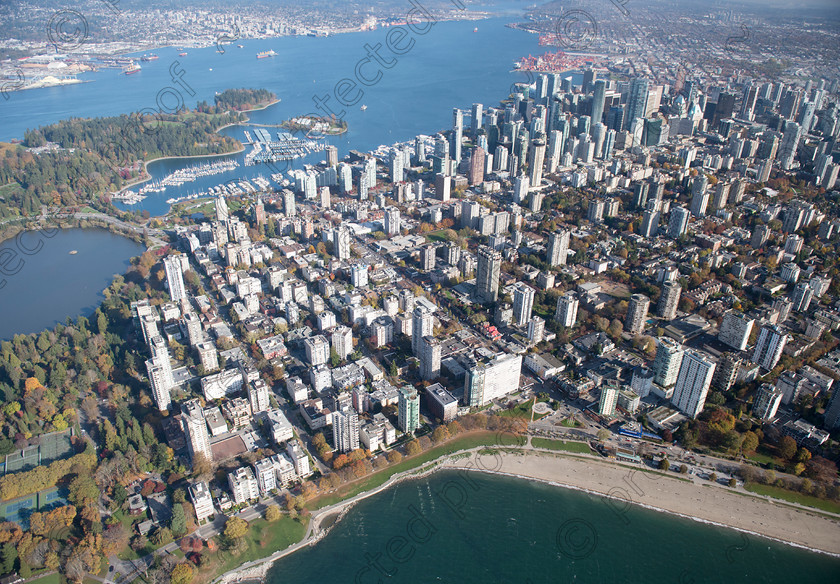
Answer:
[(161, 536), (683, 469), (83, 490), (821, 469), (114, 539), (413, 447), (273, 513), (182, 574), (732, 482), (8, 557), (394, 457), (664, 464), (51, 561), (178, 524), (787, 447), (201, 466), (604, 434), (803, 455), (235, 528), (440, 434), (713, 477), (750, 442), (454, 428)]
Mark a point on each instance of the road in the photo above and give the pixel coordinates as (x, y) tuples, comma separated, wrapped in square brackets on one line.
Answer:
[(155, 235)]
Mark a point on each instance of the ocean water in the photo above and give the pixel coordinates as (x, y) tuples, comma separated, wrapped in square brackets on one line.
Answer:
[(470, 528), (451, 65)]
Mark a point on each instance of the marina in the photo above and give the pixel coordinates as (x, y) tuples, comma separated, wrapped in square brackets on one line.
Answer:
[(177, 178), (232, 188), (285, 147)]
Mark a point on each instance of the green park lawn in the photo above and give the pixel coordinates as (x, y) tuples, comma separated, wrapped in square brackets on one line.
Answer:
[(48, 579), (576, 447), (522, 410), (464, 442), (793, 497), (264, 538)]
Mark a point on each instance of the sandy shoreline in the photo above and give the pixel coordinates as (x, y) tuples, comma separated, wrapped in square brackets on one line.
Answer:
[(697, 501), (625, 485)]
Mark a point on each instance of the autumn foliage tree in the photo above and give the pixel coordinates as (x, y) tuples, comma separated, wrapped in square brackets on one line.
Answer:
[(183, 573)]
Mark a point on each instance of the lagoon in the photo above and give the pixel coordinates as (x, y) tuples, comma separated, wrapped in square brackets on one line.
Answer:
[(42, 283)]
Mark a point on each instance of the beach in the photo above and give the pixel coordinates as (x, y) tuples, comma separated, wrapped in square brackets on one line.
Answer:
[(631, 485), (625, 485)]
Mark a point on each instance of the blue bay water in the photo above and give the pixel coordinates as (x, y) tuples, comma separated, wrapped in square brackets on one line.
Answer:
[(449, 66), (41, 289), (505, 530)]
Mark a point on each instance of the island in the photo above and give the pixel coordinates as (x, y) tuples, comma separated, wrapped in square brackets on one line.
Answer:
[(315, 125)]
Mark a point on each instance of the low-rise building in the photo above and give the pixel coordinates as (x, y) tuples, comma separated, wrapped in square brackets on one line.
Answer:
[(243, 485), (440, 403), (238, 411), (299, 458), (202, 501), (279, 426), (546, 366), (265, 475), (804, 433)]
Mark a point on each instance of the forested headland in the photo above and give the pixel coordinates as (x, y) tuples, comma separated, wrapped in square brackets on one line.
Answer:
[(77, 161)]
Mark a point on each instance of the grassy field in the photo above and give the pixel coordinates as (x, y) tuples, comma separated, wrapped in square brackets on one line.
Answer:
[(577, 447), (793, 497), (436, 236), (262, 540), (48, 579), (464, 442), (761, 458), (521, 411)]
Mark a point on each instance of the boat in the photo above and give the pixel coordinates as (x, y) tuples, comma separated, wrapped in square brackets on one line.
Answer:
[(241, 46), (184, 54), (132, 69), (266, 54), (363, 108), (73, 252), (475, 29), (147, 58)]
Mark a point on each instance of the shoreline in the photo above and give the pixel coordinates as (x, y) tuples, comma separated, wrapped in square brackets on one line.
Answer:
[(147, 163), (538, 468), (216, 131), (653, 508), (703, 502)]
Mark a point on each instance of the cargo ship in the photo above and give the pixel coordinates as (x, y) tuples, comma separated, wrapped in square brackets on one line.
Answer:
[(266, 54), (147, 58), (132, 69), (184, 54)]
